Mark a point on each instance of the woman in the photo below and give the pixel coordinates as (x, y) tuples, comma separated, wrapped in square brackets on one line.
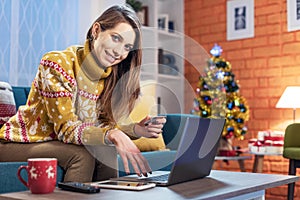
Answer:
[(81, 96)]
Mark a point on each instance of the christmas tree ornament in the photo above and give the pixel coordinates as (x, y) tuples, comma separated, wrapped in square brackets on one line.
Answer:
[(219, 97), (216, 51)]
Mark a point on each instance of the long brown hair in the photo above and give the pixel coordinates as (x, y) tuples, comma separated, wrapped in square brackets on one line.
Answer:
[(122, 87)]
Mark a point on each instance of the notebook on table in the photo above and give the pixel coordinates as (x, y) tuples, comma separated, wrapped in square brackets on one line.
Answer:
[(195, 154)]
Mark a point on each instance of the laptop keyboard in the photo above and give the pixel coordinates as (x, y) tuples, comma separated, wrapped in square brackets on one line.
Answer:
[(163, 177)]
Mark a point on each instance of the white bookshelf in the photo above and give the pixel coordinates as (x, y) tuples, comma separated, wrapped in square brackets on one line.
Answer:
[(169, 83)]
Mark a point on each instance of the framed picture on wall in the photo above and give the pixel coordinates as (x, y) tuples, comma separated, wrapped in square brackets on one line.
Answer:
[(143, 15), (293, 15), (240, 19)]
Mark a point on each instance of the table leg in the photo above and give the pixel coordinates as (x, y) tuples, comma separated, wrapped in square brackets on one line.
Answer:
[(258, 164), (242, 165)]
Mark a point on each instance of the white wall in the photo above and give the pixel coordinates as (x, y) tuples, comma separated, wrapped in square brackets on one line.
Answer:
[(89, 10)]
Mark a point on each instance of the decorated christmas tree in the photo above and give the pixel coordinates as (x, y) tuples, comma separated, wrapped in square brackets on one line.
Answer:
[(218, 96)]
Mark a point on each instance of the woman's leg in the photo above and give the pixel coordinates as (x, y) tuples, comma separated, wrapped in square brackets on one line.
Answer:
[(77, 162)]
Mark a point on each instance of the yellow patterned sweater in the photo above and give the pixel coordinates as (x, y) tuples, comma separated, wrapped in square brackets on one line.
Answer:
[(62, 102)]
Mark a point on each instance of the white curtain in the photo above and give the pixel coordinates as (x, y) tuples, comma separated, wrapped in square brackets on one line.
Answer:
[(30, 28)]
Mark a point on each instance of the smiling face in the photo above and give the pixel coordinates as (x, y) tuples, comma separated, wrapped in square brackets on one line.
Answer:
[(111, 46)]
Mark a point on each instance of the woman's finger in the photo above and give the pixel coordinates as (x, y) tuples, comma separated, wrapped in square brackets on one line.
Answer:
[(155, 130), (134, 163), (125, 161), (145, 164), (140, 161)]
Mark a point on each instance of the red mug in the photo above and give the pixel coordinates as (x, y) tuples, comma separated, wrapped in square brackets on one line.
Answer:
[(41, 175)]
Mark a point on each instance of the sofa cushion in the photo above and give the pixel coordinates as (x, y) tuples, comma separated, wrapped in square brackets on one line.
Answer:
[(20, 95), (150, 144), (146, 105), (9, 181)]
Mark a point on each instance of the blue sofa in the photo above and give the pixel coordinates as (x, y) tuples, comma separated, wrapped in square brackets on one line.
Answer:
[(158, 160)]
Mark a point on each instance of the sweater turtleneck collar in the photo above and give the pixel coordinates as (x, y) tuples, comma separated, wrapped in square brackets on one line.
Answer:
[(89, 65)]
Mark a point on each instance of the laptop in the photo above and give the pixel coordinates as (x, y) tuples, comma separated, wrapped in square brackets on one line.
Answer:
[(195, 154)]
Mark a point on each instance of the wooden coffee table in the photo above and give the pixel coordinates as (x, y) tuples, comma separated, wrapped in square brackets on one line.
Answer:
[(219, 185)]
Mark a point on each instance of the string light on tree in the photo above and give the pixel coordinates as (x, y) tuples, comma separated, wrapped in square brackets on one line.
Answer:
[(218, 96)]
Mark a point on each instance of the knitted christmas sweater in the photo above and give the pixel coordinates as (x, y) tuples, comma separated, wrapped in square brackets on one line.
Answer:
[(62, 103)]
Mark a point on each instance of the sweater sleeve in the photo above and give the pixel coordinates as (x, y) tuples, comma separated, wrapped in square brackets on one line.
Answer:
[(128, 129), (56, 85)]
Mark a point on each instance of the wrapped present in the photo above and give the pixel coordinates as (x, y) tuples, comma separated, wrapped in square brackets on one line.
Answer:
[(270, 135), (274, 147), (261, 135), (269, 141), (278, 146), (258, 147), (251, 142), (269, 146), (275, 135)]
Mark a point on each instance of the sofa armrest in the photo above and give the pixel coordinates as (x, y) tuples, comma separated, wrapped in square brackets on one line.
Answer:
[(173, 129)]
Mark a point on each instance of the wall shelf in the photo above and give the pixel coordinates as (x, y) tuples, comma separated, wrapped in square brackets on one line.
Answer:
[(169, 83)]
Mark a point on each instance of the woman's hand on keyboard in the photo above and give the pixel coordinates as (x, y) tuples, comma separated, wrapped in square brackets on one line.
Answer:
[(129, 153)]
